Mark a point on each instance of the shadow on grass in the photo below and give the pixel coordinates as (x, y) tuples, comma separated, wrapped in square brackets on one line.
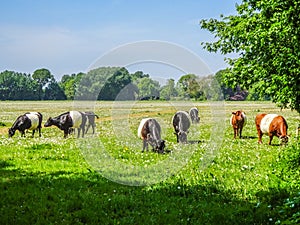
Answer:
[(249, 137), (87, 198)]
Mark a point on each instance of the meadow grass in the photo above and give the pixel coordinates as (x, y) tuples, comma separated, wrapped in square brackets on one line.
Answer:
[(105, 178)]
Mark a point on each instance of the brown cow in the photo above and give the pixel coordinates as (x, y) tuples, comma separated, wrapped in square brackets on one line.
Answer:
[(273, 125), (238, 120)]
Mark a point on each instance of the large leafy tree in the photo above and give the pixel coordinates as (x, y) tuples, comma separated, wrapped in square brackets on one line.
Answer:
[(17, 86), (266, 36), (42, 77), (113, 86), (69, 84), (168, 91), (148, 88), (54, 92), (189, 84)]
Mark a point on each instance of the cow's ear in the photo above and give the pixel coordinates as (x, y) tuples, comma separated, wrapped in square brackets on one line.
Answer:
[(233, 113)]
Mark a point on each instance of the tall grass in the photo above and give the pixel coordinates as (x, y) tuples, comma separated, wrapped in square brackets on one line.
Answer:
[(106, 179)]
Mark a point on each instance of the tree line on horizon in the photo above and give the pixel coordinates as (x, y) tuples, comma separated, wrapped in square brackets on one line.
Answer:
[(111, 83)]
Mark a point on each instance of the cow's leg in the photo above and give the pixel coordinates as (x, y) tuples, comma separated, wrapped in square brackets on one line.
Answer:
[(177, 137), (260, 134), (83, 130), (66, 132), (241, 129), (78, 131), (33, 131), (145, 145), (40, 133), (235, 131), (271, 138), (87, 128)]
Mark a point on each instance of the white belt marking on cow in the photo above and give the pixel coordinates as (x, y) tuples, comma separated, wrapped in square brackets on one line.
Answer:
[(34, 120), (231, 118), (265, 123), (76, 118), (245, 118), (143, 121)]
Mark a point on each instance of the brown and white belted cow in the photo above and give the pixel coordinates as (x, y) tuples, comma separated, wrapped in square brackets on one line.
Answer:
[(238, 120), (273, 125), (149, 130)]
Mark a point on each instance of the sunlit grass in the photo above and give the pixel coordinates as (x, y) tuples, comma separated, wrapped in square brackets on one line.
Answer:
[(72, 181)]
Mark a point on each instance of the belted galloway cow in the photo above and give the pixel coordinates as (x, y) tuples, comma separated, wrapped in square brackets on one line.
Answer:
[(28, 121), (150, 131), (181, 122), (67, 120), (194, 114)]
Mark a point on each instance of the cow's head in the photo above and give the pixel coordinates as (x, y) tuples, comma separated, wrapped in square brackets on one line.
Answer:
[(284, 139), (182, 136), (49, 122), (239, 115), (11, 132), (160, 146)]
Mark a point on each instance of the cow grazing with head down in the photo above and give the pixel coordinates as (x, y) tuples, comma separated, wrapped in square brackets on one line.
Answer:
[(65, 121), (91, 120), (194, 114), (28, 121), (181, 122), (273, 125), (149, 130), (238, 120)]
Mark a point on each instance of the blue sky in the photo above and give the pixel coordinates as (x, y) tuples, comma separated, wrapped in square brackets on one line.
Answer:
[(68, 36)]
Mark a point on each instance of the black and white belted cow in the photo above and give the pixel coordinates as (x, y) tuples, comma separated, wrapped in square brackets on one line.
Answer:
[(28, 121), (149, 130), (194, 114), (67, 120), (181, 122)]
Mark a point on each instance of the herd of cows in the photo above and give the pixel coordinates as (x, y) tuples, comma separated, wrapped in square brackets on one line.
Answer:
[(149, 129), (67, 122)]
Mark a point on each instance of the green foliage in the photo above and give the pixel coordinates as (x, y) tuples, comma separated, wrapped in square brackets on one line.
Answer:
[(265, 35), (168, 91), (190, 86), (69, 84), (42, 77), (147, 87), (17, 86), (286, 168), (54, 92), (105, 83), (115, 84)]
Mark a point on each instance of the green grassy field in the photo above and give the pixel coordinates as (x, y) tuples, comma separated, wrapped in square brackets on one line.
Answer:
[(106, 179)]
